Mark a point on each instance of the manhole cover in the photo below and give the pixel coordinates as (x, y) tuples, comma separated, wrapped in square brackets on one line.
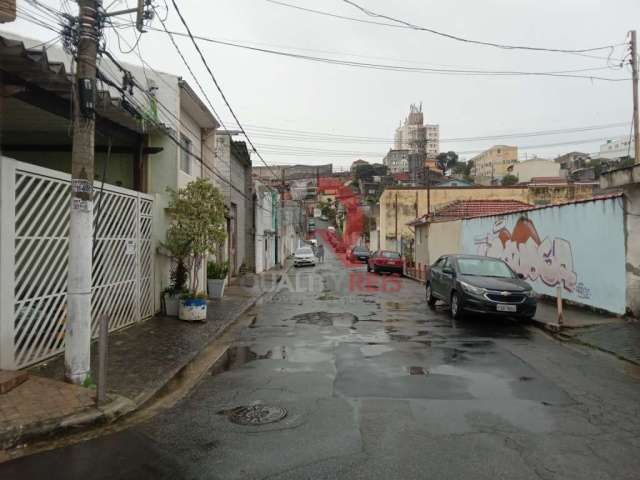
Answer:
[(417, 371), (255, 414)]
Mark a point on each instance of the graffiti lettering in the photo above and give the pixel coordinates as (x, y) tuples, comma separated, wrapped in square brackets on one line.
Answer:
[(549, 260)]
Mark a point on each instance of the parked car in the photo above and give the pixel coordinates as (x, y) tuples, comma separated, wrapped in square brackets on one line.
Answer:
[(358, 253), (324, 218), (471, 283), (385, 261), (304, 256)]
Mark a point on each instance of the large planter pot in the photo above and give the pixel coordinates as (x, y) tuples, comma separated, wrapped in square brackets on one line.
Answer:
[(193, 310), (171, 304), (216, 287)]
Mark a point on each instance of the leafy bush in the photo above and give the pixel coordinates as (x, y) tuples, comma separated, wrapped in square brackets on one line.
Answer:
[(217, 270)]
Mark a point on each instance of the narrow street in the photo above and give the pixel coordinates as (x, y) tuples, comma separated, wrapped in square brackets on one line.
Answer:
[(375, 385)]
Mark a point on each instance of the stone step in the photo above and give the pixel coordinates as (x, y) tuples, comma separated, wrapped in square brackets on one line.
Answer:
[(11, 379)]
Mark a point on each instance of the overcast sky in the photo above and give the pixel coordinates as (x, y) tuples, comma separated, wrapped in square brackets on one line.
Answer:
[(275, 92)]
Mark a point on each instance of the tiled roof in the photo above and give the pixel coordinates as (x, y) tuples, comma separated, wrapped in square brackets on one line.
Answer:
[(471, 208), (522, 207)]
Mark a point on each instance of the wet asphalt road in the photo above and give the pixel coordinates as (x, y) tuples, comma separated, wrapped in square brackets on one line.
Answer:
[(377, 386)]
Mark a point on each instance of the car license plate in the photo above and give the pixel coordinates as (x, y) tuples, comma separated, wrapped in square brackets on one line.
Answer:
[(506, 308)]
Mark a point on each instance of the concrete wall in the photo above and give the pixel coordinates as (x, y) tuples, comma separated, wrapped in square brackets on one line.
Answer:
[(437, 239), (579, 246), (412, 203), (632, 238), (628, 179)]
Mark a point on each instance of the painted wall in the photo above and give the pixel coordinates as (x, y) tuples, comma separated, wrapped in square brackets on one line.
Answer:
[(580, 247), (412, 203), (437, 239)]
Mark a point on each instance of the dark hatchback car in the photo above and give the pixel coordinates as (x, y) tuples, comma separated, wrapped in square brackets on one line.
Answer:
[(479, 284), (359, 254)]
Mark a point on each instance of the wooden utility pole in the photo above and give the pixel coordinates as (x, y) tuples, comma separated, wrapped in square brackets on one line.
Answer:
[(78, 331), (634, 79)]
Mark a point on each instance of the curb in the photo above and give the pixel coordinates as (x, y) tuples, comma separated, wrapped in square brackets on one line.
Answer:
[(577, 341), (120, 406)]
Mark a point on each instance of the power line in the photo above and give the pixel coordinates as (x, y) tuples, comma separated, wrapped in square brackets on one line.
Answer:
[(301, 136), (472, 41), (402, 68), (348, 54), (290, 151), (215, 81)]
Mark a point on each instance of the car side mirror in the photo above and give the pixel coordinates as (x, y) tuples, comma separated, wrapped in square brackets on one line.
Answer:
[(448, 271), (520, 276)]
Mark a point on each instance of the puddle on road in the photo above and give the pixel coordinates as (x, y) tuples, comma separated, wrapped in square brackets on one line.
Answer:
[(325, 319), (374, 349), (238, 356)]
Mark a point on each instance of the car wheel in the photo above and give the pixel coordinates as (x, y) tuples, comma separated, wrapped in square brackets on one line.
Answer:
[(368, 267), (431, 300), (456, 309), (375, 270)]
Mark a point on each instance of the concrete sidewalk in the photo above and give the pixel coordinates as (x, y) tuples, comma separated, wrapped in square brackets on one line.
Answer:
[(606, 332), (143, 359)]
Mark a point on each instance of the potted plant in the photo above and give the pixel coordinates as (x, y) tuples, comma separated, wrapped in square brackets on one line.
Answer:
[(177, 249), (217, 278), (197, 212)]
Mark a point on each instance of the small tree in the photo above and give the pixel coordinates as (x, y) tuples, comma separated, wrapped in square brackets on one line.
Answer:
[(179, 249), (509, 180), (197, 212)]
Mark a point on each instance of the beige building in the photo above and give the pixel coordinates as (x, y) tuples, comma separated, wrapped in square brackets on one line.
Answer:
[(494, 162), (537, 167), (401, 205), (415, 136)]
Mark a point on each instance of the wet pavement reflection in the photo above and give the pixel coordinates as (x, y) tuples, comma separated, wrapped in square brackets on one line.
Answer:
[(348, 383)]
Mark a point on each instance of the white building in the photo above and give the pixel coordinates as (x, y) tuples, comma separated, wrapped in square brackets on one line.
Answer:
[(397, 161), (265, 208), (617, 148), (536, 167)]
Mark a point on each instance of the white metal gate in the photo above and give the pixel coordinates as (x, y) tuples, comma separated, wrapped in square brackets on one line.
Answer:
[(34, 240)]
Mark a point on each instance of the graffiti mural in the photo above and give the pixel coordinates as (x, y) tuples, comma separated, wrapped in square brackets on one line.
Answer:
[(579, 247), (549, 260)]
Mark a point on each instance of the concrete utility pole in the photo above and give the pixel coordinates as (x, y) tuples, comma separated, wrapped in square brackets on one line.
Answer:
[(634, 79), (78, 331)]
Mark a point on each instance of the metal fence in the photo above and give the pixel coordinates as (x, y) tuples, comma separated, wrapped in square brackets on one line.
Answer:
[(34, 240)]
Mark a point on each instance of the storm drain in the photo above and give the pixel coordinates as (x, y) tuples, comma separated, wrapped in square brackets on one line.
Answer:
[(417, 371), (255, 415)]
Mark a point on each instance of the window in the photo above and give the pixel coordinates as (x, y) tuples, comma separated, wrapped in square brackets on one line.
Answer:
[(185, 154), (484, 267)]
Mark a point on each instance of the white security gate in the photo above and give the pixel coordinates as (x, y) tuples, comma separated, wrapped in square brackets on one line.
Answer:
[(34, 240)]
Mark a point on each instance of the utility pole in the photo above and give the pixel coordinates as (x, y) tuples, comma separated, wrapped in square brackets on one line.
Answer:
[(77, 355), (78, 331), (634, 79)]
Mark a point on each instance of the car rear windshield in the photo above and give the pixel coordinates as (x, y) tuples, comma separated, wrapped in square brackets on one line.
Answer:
[(304, 251), (391, 254), (484, 267)]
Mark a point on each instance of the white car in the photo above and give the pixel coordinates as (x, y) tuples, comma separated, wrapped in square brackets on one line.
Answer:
[(304, 256)]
